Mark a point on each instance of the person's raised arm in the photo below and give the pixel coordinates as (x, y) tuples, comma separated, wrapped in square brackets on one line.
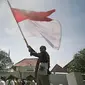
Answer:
[(33, 52)]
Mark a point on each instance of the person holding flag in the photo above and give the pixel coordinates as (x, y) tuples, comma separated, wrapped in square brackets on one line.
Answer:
[(43, 65), (39, 25)]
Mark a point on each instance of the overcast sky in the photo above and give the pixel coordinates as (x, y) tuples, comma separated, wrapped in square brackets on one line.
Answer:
[(70, 13)]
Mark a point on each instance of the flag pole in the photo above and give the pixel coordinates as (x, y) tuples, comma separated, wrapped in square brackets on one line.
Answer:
[(28, 46)]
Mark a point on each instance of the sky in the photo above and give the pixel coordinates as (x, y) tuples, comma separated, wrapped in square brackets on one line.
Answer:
[(71, 15)]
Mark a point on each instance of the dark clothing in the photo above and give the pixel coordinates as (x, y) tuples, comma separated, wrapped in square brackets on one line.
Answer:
[(43, 80), (43, 57), (23, 83)]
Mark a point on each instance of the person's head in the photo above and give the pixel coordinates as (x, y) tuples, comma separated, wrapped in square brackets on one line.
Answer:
[(42, 48), (2, 78)]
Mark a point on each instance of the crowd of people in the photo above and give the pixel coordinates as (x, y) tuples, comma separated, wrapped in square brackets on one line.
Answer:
[(11, 80)]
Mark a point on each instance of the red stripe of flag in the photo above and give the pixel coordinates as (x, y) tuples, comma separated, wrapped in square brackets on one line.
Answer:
[(21, 15)]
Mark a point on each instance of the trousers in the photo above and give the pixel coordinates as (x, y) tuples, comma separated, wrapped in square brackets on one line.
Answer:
[(43, 80)]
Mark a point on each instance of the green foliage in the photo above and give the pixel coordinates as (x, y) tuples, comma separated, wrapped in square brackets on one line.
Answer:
[(4, 60), (78, 62)]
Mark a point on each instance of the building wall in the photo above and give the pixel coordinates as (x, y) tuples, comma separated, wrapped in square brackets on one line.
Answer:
[(58, 79), (25, 68), (6, 74), (16, 74), (75, 78)]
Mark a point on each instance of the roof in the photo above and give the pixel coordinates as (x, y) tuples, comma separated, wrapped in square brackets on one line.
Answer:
[(66, 66), (27, 62), (58, 68)]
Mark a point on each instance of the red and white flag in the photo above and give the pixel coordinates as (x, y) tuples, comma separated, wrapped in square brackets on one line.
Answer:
[(38, 24)]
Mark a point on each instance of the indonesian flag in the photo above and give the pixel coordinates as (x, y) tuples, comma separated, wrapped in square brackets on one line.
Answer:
[(38, 24)]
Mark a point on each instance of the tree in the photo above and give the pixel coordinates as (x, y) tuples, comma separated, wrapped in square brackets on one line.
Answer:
[(78, 62), (5, 61)]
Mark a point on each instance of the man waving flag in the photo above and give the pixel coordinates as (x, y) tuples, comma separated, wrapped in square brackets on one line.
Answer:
[(35, 24)]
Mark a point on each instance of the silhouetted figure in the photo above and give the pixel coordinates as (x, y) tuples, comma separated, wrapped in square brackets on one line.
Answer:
[(2, 81), (22, 82), (43, 65)]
